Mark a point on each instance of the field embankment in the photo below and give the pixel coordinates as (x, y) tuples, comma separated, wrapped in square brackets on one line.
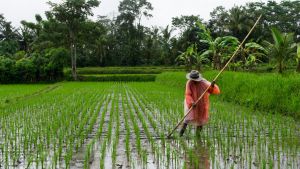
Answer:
[(128, 74), (269, 92)]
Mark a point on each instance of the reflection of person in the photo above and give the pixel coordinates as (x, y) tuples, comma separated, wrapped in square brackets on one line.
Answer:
[(195, 86), (199, 159)]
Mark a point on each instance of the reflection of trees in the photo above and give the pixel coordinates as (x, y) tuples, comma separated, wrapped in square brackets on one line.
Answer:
[(198, 156)]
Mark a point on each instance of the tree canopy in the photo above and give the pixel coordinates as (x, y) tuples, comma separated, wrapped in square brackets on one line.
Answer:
[(68, 32)]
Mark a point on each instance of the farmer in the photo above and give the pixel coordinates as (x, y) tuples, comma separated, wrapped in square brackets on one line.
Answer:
[(195, 86)]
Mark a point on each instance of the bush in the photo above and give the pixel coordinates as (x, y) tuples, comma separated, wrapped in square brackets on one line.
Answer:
[(269, 92), (25, 70), (57, 58), (39, 66), (7, 67)]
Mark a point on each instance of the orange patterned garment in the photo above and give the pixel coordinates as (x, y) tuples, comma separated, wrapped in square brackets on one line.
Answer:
[(199, 115)]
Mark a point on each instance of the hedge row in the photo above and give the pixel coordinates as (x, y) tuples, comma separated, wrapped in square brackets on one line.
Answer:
[(116, 77), (122, 70), (272, 93)]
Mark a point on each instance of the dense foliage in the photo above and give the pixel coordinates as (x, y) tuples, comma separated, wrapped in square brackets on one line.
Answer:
[(45, 66), (122, 40)]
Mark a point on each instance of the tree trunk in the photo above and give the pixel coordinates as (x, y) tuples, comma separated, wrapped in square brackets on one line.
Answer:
[(73, 55), (75, 61), (298, 67), (199, 67), (216, 62), (280, 67)]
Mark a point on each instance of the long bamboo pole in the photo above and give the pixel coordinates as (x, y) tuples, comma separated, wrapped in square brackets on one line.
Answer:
[(215, 79)]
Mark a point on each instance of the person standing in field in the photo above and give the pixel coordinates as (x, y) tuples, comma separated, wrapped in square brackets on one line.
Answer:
[(195, 86)]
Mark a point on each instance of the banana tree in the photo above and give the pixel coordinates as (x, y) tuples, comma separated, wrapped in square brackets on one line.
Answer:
[(200, 58), (220, 49), (252, 53), (187, 57)]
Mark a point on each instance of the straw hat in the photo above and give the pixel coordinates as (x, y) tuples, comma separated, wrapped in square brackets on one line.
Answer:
[(194, 75)]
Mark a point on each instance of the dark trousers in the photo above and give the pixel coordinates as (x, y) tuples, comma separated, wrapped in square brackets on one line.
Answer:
[(184, 126)]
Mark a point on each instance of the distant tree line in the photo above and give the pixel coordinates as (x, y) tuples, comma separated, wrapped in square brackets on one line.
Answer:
[(38, 51)]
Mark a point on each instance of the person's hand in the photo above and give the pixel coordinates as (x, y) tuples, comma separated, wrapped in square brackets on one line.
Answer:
[(193, 105), (213, 83)]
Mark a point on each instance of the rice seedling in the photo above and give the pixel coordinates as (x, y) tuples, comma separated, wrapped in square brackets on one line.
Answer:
[(49, 130)]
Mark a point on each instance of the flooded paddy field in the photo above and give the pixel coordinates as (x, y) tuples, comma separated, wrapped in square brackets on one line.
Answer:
[(124, 125)]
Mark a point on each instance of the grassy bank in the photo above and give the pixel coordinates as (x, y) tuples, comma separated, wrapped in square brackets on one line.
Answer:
[(122, 70), (269, 92), (127, 74), (115, 77)]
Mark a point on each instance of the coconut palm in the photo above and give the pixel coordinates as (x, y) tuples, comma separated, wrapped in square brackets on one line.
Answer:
[(282, 49), (238, 22), (165, 42)]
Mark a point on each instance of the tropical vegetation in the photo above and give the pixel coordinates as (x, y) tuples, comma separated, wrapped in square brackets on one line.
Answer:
[(30, 51)]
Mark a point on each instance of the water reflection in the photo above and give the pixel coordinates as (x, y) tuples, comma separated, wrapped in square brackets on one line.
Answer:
[(198, 156)]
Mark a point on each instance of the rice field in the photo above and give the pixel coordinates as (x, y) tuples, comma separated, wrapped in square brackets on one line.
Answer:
[(124, 125)]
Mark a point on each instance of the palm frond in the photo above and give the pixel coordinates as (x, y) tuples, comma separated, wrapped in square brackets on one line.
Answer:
[(277, 36), (207, 53)]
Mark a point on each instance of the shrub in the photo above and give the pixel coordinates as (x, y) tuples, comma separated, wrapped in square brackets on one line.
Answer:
[(39, 66), (7, 67), (25, 70)]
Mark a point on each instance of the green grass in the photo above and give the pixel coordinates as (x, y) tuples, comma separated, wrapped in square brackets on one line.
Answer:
[(272, 93), (10, 93), (48, 130)]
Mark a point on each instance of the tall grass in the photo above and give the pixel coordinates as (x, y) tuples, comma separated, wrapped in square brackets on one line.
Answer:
[(272, 93)]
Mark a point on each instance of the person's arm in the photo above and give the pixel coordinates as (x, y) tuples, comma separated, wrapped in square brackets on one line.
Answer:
[(188, 95), (214, 89)]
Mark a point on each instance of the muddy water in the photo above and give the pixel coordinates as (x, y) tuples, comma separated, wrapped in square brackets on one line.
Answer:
[(236, 142), (217, 147)]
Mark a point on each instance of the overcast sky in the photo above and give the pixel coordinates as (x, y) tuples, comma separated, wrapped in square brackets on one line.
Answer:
[(164, 10)]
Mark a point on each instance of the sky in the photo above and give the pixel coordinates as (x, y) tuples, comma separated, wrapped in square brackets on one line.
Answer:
[(17, 10)]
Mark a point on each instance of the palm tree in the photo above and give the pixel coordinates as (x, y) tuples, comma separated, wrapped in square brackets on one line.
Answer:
[(298, 57), (282, 49), (238, 22), (165, 41)]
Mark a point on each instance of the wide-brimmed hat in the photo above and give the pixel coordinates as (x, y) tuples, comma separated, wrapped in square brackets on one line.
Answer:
[(194, 75)]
